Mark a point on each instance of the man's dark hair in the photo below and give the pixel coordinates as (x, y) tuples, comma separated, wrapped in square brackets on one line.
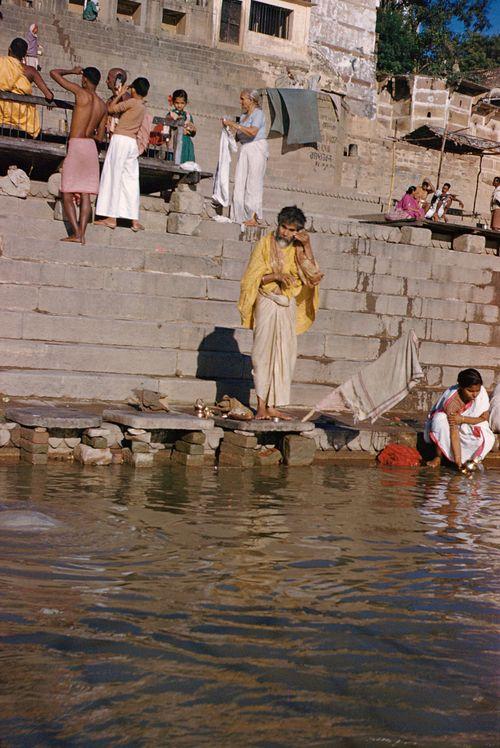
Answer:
[(92, 75), (411, 190), (19, 47), (446, 184), (468, 377), (292, 215), (179, 93), (141, 86)]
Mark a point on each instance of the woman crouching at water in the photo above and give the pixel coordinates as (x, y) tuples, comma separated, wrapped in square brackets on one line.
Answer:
[(458, 422)]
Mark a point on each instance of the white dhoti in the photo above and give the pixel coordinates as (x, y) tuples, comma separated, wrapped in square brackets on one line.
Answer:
[(274, 350), (119, 195), (249, 181), (475, 440)]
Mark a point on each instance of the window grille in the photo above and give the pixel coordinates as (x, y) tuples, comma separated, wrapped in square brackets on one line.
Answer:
[(270, 19)]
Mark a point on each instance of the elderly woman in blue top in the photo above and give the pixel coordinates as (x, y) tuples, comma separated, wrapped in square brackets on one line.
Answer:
[(250, 132)]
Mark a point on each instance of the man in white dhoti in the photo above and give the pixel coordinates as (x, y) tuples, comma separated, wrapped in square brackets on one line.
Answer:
[(278, 299), (250, 132), (458, 422), (441, 202), (119, 195)]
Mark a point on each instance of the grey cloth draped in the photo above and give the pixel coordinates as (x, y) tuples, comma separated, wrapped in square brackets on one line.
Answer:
[(295, 113)]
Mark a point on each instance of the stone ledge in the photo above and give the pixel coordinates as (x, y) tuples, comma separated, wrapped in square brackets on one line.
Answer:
[(52, 417), (155, 421)]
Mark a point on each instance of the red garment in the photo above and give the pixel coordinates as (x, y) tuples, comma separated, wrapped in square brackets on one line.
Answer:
[(399, 455)]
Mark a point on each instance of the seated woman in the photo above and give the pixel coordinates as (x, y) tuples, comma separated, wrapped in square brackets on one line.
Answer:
[(458, 422), (407, 209)]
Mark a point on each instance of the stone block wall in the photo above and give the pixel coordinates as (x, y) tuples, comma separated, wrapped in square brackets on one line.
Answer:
[(159, 311)]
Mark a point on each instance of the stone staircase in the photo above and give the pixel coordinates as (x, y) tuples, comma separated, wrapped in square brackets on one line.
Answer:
[(213, 79), (158, 310)]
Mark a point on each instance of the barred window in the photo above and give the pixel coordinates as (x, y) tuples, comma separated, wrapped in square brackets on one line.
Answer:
[(270, 19)]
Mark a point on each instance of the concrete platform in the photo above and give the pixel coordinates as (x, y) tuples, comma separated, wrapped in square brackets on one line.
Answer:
[(51, 417), (151, 421), (260, 427)]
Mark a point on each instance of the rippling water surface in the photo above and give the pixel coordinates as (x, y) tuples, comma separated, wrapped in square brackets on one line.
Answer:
[(319, 606)]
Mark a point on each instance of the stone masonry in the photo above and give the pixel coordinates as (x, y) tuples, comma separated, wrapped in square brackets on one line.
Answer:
[(158, 311)]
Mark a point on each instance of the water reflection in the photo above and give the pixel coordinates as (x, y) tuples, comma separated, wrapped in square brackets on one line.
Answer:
[(315, 605)]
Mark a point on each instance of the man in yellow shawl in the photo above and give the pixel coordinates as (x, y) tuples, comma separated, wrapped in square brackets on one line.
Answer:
[(278, 300), (17, 78)]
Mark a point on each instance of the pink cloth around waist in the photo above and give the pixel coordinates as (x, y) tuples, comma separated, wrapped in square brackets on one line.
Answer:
[(80, 171)]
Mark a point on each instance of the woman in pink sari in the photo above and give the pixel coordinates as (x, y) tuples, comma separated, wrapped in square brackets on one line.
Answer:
[(407, 209)]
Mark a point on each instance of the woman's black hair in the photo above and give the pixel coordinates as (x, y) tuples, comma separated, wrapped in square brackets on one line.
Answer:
[(179, 93), (141, 86), (18, 47), (411, 190), (468, 377), (292, 215)]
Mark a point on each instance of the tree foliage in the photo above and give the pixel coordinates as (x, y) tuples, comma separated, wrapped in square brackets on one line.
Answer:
[(417, 36)]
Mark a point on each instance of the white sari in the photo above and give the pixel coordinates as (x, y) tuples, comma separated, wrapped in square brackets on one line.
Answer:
[(475, 441)]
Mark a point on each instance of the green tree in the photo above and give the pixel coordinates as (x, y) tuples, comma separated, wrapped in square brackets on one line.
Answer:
[(417, 36)]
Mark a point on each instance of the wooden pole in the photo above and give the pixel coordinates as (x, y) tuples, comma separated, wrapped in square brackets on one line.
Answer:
[(308, 416), (441, 155), (477, 182)]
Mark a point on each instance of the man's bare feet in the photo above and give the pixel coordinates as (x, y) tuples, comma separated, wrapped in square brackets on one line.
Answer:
[(136, 226), (261, 415), (274, 413), (72, 239), (435, 463), (105, 222)]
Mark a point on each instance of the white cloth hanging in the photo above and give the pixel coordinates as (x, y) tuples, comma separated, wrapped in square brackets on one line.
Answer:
[(227, 146)]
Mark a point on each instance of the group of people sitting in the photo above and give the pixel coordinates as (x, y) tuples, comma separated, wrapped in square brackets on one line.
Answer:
[(424, 201)]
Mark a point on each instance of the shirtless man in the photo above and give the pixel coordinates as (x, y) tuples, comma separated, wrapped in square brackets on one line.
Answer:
[(80, 171)]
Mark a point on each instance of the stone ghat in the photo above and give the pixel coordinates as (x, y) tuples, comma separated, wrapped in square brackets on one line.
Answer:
[(158, 311), (39, 432)]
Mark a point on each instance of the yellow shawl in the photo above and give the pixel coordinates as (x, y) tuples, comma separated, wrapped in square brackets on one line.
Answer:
[(259, 265), (20, 116)]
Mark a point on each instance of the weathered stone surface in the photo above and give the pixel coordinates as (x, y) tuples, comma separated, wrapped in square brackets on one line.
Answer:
[(254, 426), (470, 243), (181, 458), (189, 449), (144, 437), (115, 434), (53, 417), (230, 454), (248, 441), (186, 201), (138, 459), (56, 441), (415, 235), (4, 437), (54, 184), (34, 447), (72, 441), (182, 223), (298, 450), (34, 436), (269, 456), (90, 456), (97, 432), (195, 437), (214, 437), (97, 442), (137, 447), (152, 421)]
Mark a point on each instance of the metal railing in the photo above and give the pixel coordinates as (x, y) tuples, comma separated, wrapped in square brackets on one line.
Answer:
[(23, 116)]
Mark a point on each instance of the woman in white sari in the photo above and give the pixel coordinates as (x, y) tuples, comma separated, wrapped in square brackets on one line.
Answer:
[(458, 422)]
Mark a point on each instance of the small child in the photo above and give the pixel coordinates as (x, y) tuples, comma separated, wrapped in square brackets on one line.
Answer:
[(178, 101)]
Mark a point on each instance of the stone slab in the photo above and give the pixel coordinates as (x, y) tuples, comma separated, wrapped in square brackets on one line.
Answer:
[(51, 417), (153, 421), (262, 427)]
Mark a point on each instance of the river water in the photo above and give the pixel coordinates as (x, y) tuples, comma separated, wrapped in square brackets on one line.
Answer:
[(320, 606)]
